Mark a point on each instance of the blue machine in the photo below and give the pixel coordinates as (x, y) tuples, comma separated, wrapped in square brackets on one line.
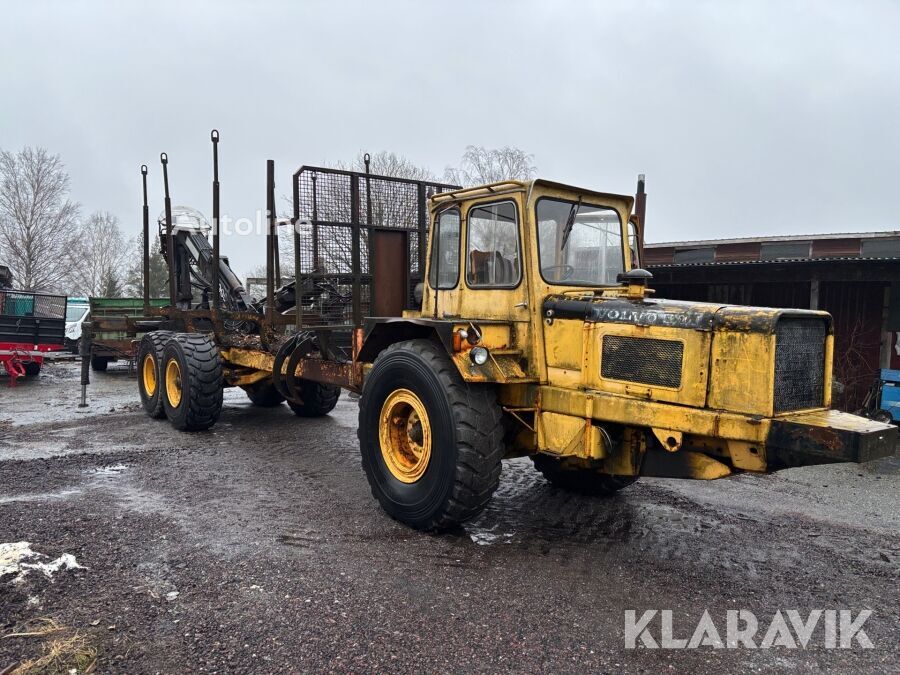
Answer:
[(889, 400)]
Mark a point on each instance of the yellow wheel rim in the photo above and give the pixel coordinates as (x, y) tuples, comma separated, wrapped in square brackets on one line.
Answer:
[(405, 436), (173, 383), (148, 373)]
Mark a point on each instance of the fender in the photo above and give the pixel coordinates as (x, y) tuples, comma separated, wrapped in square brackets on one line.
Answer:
[(379, 333)]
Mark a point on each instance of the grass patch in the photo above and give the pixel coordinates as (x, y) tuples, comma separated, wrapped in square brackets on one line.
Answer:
[(62, 650), (39, 627)]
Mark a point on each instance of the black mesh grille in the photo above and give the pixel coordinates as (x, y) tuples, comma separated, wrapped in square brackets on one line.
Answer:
[(32, 318), (643, 360), (36, 305), (799, 364)]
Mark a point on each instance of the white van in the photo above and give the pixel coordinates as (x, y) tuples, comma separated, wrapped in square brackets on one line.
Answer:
[(77, 312)]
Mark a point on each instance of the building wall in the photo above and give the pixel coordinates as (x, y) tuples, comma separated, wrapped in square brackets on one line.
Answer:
[(781, 295)]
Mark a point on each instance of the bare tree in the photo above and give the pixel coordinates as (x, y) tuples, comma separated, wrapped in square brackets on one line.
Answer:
[(386, 163), (100, 258), (480, 165), (853, 371), (38, 222)]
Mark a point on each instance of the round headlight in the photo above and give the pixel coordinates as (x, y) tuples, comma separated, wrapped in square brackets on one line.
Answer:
[(479, 355)]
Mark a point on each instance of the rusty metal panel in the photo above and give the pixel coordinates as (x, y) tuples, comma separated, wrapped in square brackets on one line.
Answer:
[(828, 436), (835, 248), (658, 256), (390, 257), (737, 252)]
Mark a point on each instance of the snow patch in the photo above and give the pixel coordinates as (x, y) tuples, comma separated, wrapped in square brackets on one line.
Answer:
[(110, 470), (18, 558), (486, 537)]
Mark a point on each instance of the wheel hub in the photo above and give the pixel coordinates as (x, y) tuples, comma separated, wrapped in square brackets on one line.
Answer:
[(405, 436), (173, 383), (148, 373)]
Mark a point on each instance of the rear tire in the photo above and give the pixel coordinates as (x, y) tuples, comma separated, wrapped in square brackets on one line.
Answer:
[(318, 399), (192, 382), (149, 375), (32, 368), (264, 394), (431, 443), (99, 363), (581, 481)]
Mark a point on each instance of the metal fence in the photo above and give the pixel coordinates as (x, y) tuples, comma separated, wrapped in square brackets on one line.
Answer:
[(335, 212)]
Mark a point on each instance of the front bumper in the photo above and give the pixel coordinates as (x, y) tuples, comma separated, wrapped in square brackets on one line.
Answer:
[(826, 436)]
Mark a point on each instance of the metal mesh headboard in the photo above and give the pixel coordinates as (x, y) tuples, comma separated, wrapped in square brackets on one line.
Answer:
[(334, 212)]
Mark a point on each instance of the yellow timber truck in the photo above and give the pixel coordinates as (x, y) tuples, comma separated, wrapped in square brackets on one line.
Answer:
[(483, 323)]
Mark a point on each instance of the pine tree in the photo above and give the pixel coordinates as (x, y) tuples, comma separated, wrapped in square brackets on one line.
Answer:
[(159, 272)]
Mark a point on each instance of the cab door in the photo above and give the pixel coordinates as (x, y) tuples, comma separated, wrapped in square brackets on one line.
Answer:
[(477, 277), (493, 285), (476, 263)]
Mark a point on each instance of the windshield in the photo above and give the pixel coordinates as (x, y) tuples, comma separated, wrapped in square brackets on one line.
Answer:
[(580, 244), (74, 312)]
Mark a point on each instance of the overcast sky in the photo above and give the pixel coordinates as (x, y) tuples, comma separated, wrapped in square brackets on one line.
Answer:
[(748, 118)]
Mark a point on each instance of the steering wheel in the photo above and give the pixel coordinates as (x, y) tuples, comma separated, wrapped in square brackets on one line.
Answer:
[(565, 272)]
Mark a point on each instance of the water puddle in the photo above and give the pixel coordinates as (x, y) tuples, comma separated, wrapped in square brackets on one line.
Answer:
[(42, 496)]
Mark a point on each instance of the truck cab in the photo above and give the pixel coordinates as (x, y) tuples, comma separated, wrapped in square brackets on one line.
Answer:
[(497, 251), (535, 287)]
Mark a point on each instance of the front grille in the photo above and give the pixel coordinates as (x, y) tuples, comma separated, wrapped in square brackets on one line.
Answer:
[(642, 360), (799, 364)]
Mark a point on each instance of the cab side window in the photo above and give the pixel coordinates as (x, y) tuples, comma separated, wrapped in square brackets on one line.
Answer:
[(493, 258), (444, 266)]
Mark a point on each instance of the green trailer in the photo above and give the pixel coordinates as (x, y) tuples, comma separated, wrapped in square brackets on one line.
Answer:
[(115, 326)]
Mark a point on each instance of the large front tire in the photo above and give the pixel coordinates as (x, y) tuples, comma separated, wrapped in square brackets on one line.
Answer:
[(192, 382), (431, 443), (150, 376), (580, 480)]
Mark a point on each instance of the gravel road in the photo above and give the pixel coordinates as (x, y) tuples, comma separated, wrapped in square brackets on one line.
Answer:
[(257, 547)]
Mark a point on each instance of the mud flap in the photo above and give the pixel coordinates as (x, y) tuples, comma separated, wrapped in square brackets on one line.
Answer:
[(823, 437)]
